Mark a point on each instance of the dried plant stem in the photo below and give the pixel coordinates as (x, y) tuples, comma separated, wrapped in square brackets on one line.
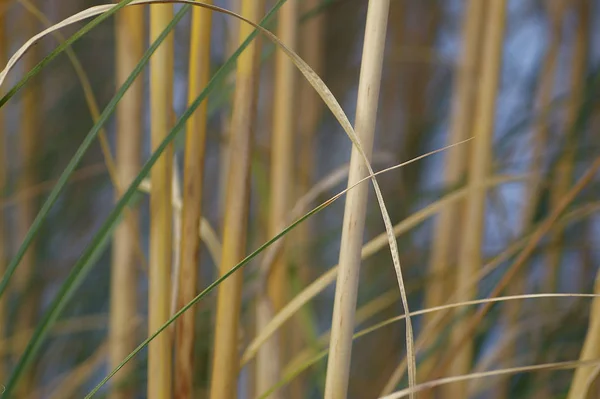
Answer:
[(281, 185), (161, 82), (445, 240), (310, 109), (555, 11), (199, 74), (225, 355), (581, 383), (123, 306), (338, 366), (479, 167), (563, 178)]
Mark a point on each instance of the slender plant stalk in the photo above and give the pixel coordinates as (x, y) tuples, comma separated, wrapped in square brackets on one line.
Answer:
[(232, 45), (199, 74), (555, 11), (161, 83), (338, 366), (479, 167), (225, 355), (282, 158), (282, 149), (445, 240), (311, 45), (123, 307), (563, 178), (591, 347), (591, 350), (3, 181), (26, 210)]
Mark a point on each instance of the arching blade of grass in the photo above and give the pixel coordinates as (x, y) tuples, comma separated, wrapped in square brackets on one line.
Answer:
[(62, 47), (100, 240), (53, 196), (93, 250)]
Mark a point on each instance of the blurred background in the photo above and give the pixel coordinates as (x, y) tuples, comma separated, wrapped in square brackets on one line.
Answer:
[(544, 138)]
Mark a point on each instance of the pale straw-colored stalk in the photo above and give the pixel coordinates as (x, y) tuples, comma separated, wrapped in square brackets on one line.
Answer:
[(443, 253), (338, 366), (161, 86), (470, 257), (281, 186), (123, 292)]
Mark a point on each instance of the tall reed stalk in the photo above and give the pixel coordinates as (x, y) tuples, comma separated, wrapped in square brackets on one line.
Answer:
[(338, 365), (199, 74), (29, 139), (123, 301), (161, 95), (233, 35), (310, 106), (225, 356), (470, 259), (445, 241), (563, 175), (582, 380), (281, 186), (555, 11)]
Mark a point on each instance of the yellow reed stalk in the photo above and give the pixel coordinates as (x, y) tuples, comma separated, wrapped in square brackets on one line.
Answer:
[(225, 356), (161, 94), (281, 186), (338, 365), (199, 74), (563, 177), (232, 45), (445, 240), (310, 109), (282, 148), (469, 259), (129, 50)]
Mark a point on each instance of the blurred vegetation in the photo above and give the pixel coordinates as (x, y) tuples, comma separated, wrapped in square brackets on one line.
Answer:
[(103, 237)]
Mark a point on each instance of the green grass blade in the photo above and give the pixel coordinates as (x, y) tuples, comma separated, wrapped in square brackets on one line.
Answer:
[(98, 244), (53, 196), (212, 286), (62, 47)]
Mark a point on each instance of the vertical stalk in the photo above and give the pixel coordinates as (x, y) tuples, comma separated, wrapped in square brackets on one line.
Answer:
[(161, 83), (591, 347), (338, 365), (232, 45), (225, 355), (311, 45), (281, 177), (555, 12), (129, 50), (445, 240), (28, 154), (282, 154), (199, 74), (563, 178), (480, 158)]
